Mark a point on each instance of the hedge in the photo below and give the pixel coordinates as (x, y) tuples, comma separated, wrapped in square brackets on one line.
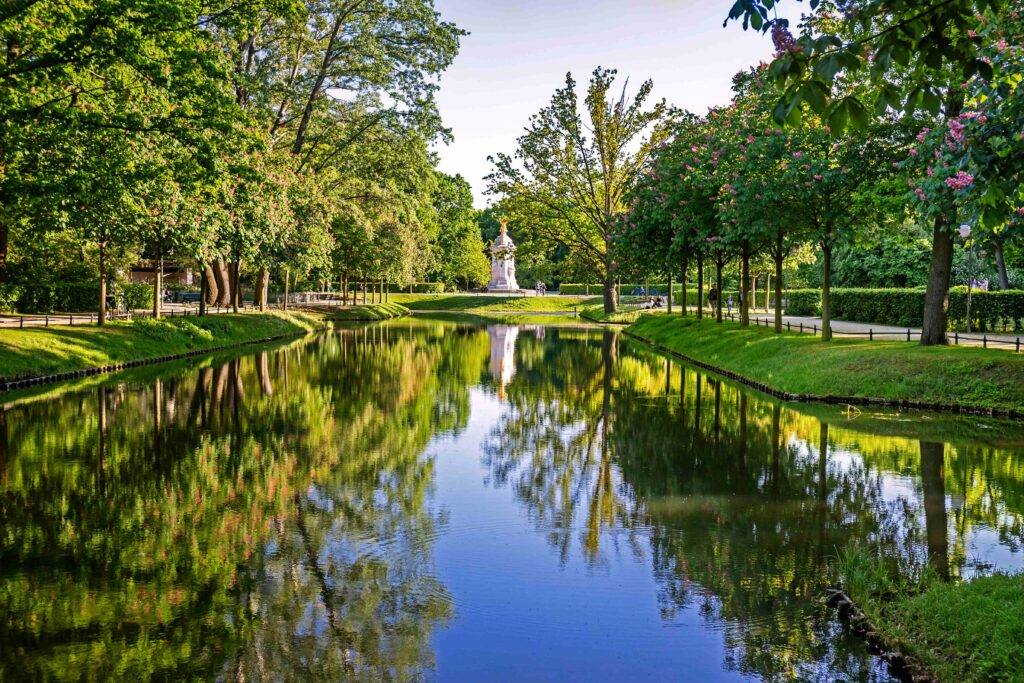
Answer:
[(414, 288), (990, 311), (625, 289), (803, 301), (75, 296)]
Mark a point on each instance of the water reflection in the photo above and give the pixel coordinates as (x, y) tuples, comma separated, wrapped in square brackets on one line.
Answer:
[(276, 514)]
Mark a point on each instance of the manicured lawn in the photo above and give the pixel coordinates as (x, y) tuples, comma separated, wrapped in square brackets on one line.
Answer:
[(803, 364), (38, 351), (959, 630), (369, 312), (475, 303)]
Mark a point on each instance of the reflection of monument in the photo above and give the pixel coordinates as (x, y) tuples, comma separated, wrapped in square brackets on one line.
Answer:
[(503, 354), (503, 263)]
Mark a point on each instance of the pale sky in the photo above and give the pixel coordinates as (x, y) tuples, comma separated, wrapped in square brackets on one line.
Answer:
[(518, 52)]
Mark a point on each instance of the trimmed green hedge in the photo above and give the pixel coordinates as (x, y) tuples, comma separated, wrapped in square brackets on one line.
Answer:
[(414, 288), (803, 301), (78, 296), (990, 311)]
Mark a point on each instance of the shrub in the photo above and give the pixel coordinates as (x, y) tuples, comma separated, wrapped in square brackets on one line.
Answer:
[(803, 302), (414, 288), (135, 294), (80, 296), (9, 295), (990, 311)]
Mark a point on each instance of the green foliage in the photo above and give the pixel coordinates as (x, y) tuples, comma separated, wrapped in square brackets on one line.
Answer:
[(569, 178), (9, 296), (458, 246), (908, 48), (804, 301)]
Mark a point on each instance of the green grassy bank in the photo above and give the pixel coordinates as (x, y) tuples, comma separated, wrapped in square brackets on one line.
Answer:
[(953, 630), (368, 312), (40, 351), (483, 302), (974, 378)]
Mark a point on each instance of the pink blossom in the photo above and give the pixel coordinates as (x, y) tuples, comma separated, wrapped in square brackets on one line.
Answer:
[(920, 194), (931, 171), (956, 130), (1020, 211), (1002, 45), (962, 180), (924, 132), (798, 155), (751, 139), (913, 151), (818, 177)]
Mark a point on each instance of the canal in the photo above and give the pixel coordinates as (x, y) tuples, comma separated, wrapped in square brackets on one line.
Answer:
[(424, 499)]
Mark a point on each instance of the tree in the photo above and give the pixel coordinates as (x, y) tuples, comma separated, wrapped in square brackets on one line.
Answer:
[(458, 248), (570, 186), (916, 55)]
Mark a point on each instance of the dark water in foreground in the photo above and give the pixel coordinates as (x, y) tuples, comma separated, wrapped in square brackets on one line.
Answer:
[(424, 500)]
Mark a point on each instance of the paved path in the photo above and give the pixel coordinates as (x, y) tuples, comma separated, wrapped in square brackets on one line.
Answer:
[(841, 328)]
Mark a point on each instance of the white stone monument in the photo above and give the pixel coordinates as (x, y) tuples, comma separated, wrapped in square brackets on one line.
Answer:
[(503, 262)]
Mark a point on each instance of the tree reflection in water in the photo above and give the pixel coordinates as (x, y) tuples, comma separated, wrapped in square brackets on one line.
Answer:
[(740, 514), (273, 515), (262, 517)]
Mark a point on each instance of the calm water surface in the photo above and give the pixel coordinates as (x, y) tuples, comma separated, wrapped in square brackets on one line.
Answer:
[(424, 500)]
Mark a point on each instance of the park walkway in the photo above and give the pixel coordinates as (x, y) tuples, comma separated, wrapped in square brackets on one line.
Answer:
[(845, 328)]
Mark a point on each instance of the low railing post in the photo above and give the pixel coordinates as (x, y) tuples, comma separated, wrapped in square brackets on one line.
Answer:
[(956, 337), (871, 334), (984, 341), (71, 319), (47, 318), (801, 328), (908, 334), (1018, 345), (814, 329)]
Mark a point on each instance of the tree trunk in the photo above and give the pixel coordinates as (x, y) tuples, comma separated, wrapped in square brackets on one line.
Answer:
[(745, 284), (204, 287), (262, 287), (670, 292), (609, 292), (826, 291), (778, 287), (719, 265), (220, 274), (700, 286), (287, 277), (997, 247), (685, 299), (101, 319), (936, 296), (753, 292), (158, 288), (236, 289), (208, 287)]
